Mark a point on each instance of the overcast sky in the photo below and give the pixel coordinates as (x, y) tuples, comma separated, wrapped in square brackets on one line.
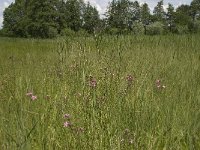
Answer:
[(101, 4)]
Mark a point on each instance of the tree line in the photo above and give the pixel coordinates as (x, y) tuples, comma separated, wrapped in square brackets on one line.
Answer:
[(52, 18)]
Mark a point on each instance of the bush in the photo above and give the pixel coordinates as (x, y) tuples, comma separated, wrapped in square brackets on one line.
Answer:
[(67, 32), (155, 28), (194, 27), (82, 32), (112, 31), (138, 28), (52, 32), (182, 29), (6, 33)]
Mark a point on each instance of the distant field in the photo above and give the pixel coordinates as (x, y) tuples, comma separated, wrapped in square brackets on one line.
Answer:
[(111, 93)]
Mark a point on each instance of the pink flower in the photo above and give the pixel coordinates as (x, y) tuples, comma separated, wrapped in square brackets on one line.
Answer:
[(67, 116), (67, 124), (93, 83), (130, 79), (33, 97)]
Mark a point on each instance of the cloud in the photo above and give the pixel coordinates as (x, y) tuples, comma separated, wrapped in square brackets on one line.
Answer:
[(94, 3)]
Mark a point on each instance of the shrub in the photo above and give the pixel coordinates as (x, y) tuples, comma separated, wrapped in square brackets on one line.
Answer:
[(112, 31), (194, 27), (182, 29), (155, 28), (82, 32), (67, 32), (138, 28), (52, 32)]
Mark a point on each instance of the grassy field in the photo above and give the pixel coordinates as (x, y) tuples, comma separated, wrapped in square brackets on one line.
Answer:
[(114, 93)]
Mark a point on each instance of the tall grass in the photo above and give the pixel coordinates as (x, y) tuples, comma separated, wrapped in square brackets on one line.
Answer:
[(107, 86)]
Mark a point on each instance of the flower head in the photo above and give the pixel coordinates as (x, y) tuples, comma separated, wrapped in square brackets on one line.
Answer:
[(67, 116), (67, 124), (93, 83), (33, 97), (129, 79)]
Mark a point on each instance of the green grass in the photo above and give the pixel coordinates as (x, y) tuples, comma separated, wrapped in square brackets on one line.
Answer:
[(114, 115)]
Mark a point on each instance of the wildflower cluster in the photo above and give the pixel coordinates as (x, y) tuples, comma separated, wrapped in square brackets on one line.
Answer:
[(129, 80), (30, 94), (67, 123), (92, 82), (159, 85)]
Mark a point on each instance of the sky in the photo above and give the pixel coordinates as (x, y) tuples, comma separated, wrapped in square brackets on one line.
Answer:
[(101, 5)]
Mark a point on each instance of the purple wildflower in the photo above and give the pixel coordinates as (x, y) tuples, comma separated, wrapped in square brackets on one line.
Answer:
[(67, 116), (67, 124), (129, 79), (33, 97), (93, 83)]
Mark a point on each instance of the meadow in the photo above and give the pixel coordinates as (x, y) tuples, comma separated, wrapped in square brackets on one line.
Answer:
[(104, 93)]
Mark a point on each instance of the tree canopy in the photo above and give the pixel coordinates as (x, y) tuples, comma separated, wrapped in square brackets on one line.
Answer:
[(51, 18)]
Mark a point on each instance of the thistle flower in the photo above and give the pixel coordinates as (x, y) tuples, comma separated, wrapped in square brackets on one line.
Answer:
[(67, 124), (92, 82), (67, 116), (33, 97), (129, 79)]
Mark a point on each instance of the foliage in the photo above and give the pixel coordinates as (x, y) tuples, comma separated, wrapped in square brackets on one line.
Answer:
[(50, 18), (155, 28), (138, 28), (91, 18), (159, 11), (67, 32), (145, 16)]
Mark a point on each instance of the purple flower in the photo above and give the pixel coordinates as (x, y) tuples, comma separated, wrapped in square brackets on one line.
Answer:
[(67, 116), (93, 83), (33, 97), (129, 79), (67, 124)]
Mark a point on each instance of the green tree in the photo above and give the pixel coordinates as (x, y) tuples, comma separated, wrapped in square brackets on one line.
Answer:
[(44, 18), (15, 20), (121, 14), (62, 17), (182, 15), (195, 9), (145, 16), (91, 18), (170, 17), (74, 14), (159, 12), (136, 11)]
